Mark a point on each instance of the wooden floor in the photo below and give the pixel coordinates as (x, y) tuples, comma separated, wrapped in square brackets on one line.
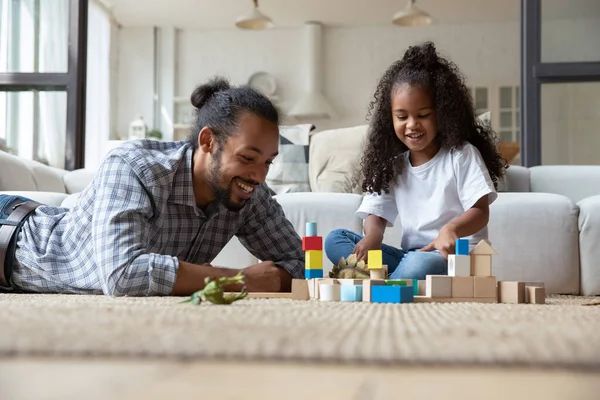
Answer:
[(42, 379)]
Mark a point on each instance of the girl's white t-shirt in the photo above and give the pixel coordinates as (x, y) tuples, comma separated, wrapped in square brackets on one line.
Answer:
[(429, 196)]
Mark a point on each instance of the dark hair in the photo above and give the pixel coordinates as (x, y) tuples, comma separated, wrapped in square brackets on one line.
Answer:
[(456, 122), (219, 106)]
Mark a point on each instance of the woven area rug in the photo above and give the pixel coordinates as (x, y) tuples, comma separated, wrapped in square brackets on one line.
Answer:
[(562, 333)]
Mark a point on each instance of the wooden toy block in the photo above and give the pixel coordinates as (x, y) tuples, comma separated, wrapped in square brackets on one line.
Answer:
[(484, 247), (378, 273), (375, 259), (533, 284), (415, 285), (511, 292), (312, 243), (351, 293), (396, 282), (329, 292), (311, 229), (462, 247), (407, 294), (438, 286), (313, 259), (463, 286), (385, 294), (316, 285), (313, 273), (484, 287), (300, 289), (535, 295), (459, 265), (350, 281), (368, 285), (425, 299), (421, 287), (481, 265)]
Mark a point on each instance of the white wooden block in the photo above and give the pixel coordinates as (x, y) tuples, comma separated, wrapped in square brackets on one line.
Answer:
[(329, 292), (459, 265), (438, 286)]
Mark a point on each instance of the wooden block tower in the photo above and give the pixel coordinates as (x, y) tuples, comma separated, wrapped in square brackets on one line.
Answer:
[(312, 245)]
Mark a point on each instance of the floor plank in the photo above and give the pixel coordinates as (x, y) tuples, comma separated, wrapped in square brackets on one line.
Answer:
[(43, 379)]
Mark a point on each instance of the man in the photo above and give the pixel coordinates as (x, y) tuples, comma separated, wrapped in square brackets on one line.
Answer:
[(157, 213)]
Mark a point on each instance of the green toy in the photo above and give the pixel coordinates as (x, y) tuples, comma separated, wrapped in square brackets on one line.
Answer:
[(214, 291)]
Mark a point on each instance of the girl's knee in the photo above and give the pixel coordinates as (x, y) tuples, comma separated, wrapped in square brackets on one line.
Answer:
[(417, 265)]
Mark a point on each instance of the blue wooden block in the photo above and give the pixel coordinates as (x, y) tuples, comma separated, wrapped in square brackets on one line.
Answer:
[(406, 294), (313, 273), (462, 247), (351, 293), (385, 294), (311, 229), (415, 283)]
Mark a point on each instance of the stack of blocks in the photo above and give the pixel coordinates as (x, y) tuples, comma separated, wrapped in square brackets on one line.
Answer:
[(312, 245), (469, 279), (469, 275)]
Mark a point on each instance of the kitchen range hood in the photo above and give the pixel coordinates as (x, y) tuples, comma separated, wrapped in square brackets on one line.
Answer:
[(313, 104)]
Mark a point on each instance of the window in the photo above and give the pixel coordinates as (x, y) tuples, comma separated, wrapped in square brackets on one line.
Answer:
[(42, 75), (508, 114)]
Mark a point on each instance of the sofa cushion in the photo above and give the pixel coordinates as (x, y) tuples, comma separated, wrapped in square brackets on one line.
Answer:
[(334, 159), (589, 236), (536, 236), (21, 174), (516, 179), (574, 181), (76, 181)]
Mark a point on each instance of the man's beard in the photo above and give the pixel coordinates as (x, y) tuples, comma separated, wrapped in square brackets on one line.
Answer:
[(222, 195)]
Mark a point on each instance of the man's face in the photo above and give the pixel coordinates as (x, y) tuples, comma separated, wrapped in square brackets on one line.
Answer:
[(243, 161)]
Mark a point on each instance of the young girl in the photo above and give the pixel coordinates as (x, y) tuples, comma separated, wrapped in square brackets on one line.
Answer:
[(427, 161)]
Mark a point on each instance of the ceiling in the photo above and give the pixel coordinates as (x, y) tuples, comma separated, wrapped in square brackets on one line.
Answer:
[(221, 14)]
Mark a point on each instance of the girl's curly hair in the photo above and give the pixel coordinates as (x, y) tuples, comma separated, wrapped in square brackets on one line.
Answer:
[(455, 114)]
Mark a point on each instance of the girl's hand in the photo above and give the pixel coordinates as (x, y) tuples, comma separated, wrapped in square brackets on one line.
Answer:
[(367, 243), (444, 243)]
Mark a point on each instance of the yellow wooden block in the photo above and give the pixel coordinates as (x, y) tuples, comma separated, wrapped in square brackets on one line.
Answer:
[(375, 259), (313, 259)]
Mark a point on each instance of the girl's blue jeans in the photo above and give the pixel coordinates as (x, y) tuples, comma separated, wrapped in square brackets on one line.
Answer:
[(402, 264)]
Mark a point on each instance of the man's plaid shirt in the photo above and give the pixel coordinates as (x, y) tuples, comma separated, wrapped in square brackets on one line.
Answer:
[(133, 223)]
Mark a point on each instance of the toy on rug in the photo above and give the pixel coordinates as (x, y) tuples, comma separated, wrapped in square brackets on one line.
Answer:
[(214, 291), (350, 268)]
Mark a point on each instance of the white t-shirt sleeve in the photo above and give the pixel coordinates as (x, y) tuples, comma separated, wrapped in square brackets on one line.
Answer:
[(473, 180), (382, 205)]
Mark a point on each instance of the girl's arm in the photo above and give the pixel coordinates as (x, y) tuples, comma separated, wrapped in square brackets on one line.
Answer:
[(470, 222), (374, 228)]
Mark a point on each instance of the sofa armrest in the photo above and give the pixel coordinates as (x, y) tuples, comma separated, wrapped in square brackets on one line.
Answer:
[(537, 238), (589, 239)]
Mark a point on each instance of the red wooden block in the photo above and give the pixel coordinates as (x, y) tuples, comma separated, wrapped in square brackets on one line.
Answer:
[(312, 243)]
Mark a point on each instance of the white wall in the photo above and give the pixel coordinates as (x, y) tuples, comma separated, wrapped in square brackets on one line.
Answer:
[(136, 78), (487, 53)]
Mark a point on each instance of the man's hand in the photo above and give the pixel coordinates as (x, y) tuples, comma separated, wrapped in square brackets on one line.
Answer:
[(369, 242), (444, 243), (267, 277)]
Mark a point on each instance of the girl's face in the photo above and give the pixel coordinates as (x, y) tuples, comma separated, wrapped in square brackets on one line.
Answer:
[(414, 119)]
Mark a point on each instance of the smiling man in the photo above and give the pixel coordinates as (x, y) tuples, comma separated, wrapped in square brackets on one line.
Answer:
[(157, 213)]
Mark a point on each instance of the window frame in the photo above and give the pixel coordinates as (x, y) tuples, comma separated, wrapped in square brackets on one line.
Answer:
[(72, 82)]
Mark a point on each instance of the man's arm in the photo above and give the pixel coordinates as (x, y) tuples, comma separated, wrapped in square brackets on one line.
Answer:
[(271, 237)]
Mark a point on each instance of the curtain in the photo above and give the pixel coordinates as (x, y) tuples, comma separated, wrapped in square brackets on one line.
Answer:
[(54, 25), (97, 120)]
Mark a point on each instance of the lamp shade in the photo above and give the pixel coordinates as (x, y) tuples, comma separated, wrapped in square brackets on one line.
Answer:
[(411, 15), (255, 20)]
